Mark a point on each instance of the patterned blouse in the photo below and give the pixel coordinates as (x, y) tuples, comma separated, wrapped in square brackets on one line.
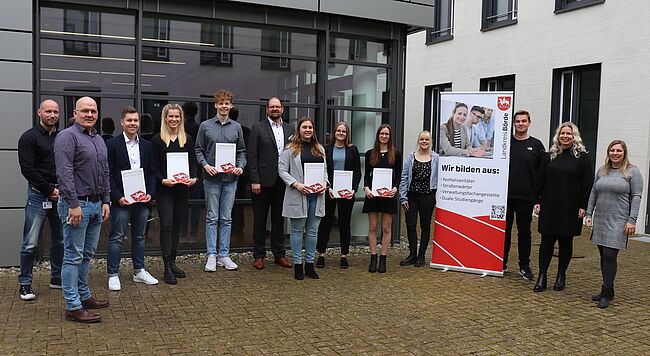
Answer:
[(421, 180)]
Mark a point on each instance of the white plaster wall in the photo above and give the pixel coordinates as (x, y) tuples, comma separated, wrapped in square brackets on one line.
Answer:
[(614, 34)]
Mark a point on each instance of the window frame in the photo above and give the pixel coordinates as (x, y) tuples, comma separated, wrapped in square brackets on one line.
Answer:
[(489, 13), (431, 119), (434, 35), (563, 6)]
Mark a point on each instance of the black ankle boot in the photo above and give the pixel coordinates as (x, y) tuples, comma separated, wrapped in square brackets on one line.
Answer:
[(411, 259), (298, 272), (382, 264), (541, 282), (560, 281), (179, 273), (373, 263), (596, 297), (310, 271), (605, 297), (169, 276)]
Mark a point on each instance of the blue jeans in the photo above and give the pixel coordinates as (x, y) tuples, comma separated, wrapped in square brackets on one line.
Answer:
[(137, 214), (34, 221), (219, 200), (307, 228), (80, 244)]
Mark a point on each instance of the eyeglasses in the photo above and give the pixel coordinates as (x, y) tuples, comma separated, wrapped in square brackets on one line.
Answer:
[(87, 111), (341, 131), (477, 115)]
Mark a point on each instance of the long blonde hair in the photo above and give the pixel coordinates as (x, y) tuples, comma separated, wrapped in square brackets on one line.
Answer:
[(625, 164), (164, 129), (577, 148)]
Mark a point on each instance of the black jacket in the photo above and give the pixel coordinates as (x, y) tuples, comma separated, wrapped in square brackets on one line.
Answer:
[(352, 163), (263, 152), (118, 161)]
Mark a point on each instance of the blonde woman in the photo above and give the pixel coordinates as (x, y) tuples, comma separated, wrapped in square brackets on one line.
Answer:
[(612, 212), (173, 196), (565, 180)]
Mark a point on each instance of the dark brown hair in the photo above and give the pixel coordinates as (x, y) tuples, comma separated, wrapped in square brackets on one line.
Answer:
[(374, 154), (450, 123), (522, 113), (128, 110)]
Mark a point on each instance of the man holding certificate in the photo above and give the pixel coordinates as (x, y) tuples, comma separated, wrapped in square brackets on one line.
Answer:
[(221, 151), (133, 183)]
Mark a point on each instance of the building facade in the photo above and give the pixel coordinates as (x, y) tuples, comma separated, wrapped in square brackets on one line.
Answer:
[(329, 59), (583, 61)]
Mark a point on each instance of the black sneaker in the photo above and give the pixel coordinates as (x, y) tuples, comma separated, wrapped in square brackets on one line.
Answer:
[(320, 263), (526, 273), (344, 263), (55, 283), (26, 293)]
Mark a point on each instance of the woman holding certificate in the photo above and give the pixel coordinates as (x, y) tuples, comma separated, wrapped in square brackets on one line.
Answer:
[(344, 171), (302, 167), (417, 194), (382, 175), (176, 161)]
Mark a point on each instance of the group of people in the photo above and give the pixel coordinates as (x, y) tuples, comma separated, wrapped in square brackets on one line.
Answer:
[(75, 181), (559, 186), (468, 132)]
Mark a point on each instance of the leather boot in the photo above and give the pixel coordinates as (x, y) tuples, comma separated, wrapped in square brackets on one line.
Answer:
[(605, 297), (596, 297), (560, 281), (413, 254), (310, 271), (421, 254), (373, 263), (382, 264), (179, 273), (540, 285), (169, 276), (298, 272)]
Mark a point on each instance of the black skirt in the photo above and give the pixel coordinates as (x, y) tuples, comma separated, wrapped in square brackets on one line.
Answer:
[(380, 205)]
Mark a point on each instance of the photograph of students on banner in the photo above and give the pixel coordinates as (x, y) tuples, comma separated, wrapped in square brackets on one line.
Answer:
[(454, 139), (487, 123), (475, 132)]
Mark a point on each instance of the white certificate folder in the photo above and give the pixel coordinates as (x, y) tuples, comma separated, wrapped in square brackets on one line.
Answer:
[(225, 157), (315, 176), (342, 185), (133, 184), (178, 166), (382, 181)]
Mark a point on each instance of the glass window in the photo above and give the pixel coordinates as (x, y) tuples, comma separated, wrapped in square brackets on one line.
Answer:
[(87, 23), (277, 42), (363, 125), (443, 21), (184, 76), (568, 5), (221, 36), (155, 30), (358, 86), (358, 50), (112, 72), (432, 107), (498, 13)]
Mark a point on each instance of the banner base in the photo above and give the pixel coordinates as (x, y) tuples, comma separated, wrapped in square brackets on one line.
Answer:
[(465, 269)]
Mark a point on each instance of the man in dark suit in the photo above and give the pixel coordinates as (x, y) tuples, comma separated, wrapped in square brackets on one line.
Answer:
[(265, 144), (128, 152)]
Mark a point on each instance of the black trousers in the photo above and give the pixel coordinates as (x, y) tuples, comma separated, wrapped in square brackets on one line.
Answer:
[(423, 205), (608, 265), (345, 216), (522, 211), (172, 208), (269, 198), (546, 252)]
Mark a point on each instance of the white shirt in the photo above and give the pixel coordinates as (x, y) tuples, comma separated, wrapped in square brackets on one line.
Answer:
[(133, 150), (278, 132)]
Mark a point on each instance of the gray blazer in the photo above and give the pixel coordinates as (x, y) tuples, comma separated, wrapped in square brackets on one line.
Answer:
[(295, 203), (446, 149)]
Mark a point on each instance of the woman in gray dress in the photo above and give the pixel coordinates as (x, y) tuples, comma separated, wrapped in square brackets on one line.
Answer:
[(612, 212)]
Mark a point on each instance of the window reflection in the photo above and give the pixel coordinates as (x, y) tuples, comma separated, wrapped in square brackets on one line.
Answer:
[(363, 125), (358, 86), (358, 50)]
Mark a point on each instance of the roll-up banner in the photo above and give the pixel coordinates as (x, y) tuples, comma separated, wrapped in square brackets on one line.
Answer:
[(474, 148)]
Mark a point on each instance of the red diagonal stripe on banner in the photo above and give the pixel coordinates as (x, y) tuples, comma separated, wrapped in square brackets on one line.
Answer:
[(486, 235)]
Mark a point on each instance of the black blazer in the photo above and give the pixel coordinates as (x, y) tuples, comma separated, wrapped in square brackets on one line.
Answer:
[(118, 161), (352, 163), (263, 152)]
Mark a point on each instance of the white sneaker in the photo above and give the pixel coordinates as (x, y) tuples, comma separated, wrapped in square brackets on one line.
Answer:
[(227, 263), (211, 265), (114, 283), (144, 277)]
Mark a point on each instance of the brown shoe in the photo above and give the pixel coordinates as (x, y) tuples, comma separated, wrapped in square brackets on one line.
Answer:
[(92, 303), (282, 261), (82, 316), (258, 263)]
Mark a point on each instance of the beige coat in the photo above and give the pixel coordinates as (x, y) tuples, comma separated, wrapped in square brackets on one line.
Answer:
[(446, 149), (295, 203)]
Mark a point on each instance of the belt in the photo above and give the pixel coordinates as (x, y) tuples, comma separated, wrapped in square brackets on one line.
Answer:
[(89, 198)]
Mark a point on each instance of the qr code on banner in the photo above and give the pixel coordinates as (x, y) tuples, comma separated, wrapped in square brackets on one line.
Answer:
[(498, 212)]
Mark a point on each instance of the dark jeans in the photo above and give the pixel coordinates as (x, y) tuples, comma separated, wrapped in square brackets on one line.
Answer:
[(608, 265), (136, 214), (522, 211), (546, 252), (423, 205), (269, 198), (344, 217), (172, 207)]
